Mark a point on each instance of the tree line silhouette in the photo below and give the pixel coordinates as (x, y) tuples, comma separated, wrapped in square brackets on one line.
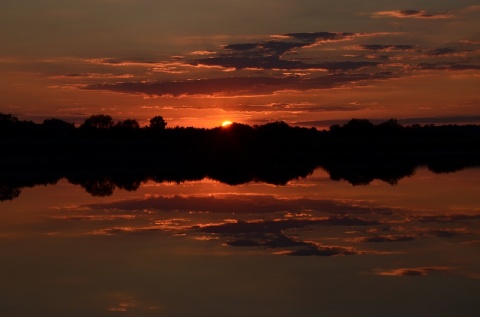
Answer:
[(101, 155)]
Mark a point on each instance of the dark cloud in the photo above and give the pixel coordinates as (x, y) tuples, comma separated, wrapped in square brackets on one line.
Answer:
[(412, 13), (254, 62), (448, 218), (321, 251), (242, 46), (388, 47), (447, 66), (270, 54), (244, 85), (312, 37), (274, 61), (441, 51), (389, 238), (222, 86), (287, 42), (446, 233)]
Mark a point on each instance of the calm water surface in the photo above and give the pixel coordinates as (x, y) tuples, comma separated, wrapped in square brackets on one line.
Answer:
[(314, 247)]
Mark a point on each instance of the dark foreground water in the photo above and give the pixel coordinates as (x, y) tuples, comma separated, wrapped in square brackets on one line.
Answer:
[(314, 247)]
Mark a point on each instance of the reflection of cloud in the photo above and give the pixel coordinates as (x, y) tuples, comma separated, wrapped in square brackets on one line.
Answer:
[(420, 271), (273, 234), (119, 302), (239, 204), (295, 227)]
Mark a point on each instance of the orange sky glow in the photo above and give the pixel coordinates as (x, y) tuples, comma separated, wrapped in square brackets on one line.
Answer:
[(419, 64)]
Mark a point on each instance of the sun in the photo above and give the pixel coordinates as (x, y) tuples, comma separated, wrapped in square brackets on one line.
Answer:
[(226, 123)]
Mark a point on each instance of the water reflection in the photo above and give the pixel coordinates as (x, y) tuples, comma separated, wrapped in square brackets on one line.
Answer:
[(357, 171), (207, 248)]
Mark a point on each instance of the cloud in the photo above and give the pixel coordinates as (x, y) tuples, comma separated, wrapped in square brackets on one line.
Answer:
[(79, 76), (322, 251), (272, 62), (388, 238), (448, 218), (442, 51), (269, 54), (234, 86), (411, 14), (277, 64), (296, 107), (447, 66), (387, 47), (139, 61)]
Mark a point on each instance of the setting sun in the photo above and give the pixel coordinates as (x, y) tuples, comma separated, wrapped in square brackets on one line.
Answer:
[(226, 123)]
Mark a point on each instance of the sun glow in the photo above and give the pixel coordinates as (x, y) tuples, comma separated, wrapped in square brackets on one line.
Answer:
[(226, 123)]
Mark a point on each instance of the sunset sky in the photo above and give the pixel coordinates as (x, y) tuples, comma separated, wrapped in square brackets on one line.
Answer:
[(201, 62)]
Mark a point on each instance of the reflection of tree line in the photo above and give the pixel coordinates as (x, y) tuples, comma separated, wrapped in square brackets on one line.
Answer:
[(101, 156)]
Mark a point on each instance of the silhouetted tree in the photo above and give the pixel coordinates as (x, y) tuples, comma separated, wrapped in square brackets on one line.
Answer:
[(8, 192), (390, 127), (7, 119), (358, 127), (128, 124), (99, 187), (335, 128), (158, 123), (7, 124), (57, 127), (99, 121)]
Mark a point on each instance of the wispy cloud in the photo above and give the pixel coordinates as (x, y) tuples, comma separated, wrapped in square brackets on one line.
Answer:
[(417, 271), (411, 14)]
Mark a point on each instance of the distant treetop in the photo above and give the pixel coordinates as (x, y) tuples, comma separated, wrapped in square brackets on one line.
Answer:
[(157, 122)]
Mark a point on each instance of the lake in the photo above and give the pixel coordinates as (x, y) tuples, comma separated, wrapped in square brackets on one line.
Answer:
[(311, 247)]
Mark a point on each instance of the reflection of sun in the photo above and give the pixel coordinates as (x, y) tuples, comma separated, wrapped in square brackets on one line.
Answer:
[(226, 123)]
